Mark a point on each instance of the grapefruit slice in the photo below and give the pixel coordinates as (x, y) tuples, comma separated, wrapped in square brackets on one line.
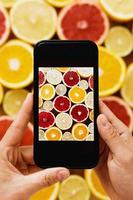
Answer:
[(120, 109), (5, 122), (41, 78), (4, 25), (95, 185), (91, 24)]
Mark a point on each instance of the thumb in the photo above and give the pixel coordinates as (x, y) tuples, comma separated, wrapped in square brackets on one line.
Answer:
[(110, 135), (44, 178)]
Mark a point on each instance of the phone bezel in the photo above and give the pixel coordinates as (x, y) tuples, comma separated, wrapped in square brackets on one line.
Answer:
[(68, 154)]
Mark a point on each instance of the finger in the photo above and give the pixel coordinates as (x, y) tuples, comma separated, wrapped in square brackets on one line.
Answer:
[(27, 154), (44, 178), (15, 132), (120, 126), (110, 135)]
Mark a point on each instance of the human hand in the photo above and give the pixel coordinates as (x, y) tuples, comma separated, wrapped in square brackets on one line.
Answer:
[(17, 180), (115, 168)]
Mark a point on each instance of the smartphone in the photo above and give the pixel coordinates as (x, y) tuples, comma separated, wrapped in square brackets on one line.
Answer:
[(66, 104)]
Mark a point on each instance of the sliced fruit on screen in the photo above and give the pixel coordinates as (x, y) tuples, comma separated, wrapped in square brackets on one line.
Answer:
[(1, 93), (49, 193), (13, 101), (46, 119), (59, 3), (118, 10), (5, 122), (74, 188), (91, 24), (95, 185), (127, 87), (112, 71), (77, 94), (53, 134), (15, 56), (41, 77), (47, 92), (119, 40), (63, 69), (80, 131), (4, 25), (120, 109), (33, 20)]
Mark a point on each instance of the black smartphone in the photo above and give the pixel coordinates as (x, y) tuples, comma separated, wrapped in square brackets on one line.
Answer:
[(66, 104)]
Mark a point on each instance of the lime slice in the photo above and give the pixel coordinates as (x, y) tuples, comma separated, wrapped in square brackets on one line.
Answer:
[(120, 41)]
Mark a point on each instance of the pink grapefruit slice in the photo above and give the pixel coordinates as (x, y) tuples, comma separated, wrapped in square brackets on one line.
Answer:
[(120, 109), (79, 112), (4, 25), (41, 77), (46, 119), (62, 104), (5, 122), (91, 23)]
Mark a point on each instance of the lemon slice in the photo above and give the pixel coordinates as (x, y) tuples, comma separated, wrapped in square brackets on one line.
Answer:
[(49, 193), (1, 93), (59, 3), (74, 188), (127, 87), (120, 41), (15, 56), (95, 185), (13, 101), (119, 10), (33, 20), (47, 92), (112, 71)]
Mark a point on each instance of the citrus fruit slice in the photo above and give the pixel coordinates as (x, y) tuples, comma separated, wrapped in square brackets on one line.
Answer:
[(1, 93), (120, 109), (13, 101), (46, 119), (63, 69), (85, 72), (112, 70), (91, 82), (53, 134), (15, 57), (91, 127), (42, 78), (54, 76), (89, 100), (47, 92), (41, 134), (63, 121), (127, 87), (5, 122), (90, 137), (77, 94), (95, 185), (62, 104), (48, 105), (59, 3), (120, 41), (74, 188), (118, 10), (91, 115), (33, 20), (83, 84), (4, 25), (91, 24), (61, 89), (71, 78), (8, 3), (80, 131), (40, 101), (67, 136), (49, 193), (79, 112)]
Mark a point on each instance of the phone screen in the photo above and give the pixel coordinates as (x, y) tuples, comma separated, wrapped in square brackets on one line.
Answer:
[(66, 104)]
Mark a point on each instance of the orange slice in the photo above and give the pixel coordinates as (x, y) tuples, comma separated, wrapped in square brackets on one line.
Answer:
[(95, 185), (53, 133), (1, 93), (77, 94), (80, 131), (47, 92)]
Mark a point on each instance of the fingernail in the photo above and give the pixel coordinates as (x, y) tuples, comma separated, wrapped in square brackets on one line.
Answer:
[(62, 175), (104, 121)]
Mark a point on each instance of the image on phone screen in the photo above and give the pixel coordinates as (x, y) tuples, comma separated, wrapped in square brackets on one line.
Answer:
[(66, 104)]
